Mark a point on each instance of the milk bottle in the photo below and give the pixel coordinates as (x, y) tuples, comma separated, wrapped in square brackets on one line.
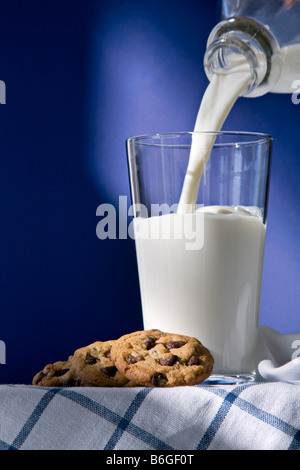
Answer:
[(266, 34)]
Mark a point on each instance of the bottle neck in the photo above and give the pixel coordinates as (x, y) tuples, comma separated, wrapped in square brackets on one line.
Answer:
[(238, 40)]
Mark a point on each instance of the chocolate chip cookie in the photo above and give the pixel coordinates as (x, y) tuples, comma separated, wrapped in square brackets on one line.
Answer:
[(58, 374), (153, 358), (94, 366)]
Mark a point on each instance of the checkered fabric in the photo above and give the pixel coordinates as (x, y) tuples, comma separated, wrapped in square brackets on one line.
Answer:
[(255, 416)]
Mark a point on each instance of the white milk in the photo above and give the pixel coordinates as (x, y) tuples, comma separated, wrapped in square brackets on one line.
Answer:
[(211, 293)]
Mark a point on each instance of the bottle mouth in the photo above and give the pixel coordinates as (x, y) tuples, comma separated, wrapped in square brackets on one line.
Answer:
[(225, 54), (244, 42)]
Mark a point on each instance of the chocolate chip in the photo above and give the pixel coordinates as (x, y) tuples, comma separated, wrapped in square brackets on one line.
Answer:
[(40, 377), (168, 360), (108, 355), (90, 359), (193, 361), (109, 371), (134, 359), (158, 379), (149, 342), (71, 383), (59, 373), (175, 344)]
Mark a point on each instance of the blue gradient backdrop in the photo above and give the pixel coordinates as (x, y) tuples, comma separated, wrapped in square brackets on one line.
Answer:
[(81, 77)]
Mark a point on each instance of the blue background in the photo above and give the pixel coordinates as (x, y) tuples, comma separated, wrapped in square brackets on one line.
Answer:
[(81, 77)]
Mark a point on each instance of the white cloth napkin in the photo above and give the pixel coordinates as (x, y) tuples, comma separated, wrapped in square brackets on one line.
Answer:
[(278, 357)]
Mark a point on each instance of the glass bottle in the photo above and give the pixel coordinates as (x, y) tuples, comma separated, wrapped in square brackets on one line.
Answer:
[(265, 33)]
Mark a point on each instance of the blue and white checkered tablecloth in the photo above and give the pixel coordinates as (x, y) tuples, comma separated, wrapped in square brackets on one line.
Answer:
[(256, 416)]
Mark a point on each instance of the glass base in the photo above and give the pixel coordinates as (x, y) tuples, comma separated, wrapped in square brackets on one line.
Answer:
[(228, 379)]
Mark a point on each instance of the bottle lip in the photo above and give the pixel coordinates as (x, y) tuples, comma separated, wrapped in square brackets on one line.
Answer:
[(255, 42), (214, 50)]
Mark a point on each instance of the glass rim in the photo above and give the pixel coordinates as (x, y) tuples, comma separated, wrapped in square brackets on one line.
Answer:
[(258, 137)]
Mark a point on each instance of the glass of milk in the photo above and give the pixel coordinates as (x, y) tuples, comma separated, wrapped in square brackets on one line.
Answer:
[(200, 269)]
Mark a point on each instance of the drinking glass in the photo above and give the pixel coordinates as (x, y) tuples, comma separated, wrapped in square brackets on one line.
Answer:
[(200, 272)]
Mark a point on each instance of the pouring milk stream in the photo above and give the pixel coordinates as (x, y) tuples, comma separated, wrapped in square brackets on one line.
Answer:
[(219, 97)]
